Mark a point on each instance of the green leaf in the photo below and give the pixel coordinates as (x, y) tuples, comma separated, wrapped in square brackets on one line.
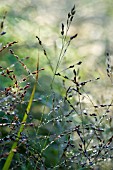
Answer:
[(14, 146)]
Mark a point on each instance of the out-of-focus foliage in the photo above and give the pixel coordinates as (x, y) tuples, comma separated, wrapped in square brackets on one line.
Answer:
[(93, 23), (49, 139)]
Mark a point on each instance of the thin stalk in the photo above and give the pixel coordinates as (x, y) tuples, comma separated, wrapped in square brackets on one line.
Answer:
[(14, 146)]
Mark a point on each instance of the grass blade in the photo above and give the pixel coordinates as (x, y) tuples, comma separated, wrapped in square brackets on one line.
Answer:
[(14, 146)]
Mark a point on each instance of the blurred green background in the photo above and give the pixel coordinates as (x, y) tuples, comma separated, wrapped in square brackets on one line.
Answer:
[(93, 23)]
